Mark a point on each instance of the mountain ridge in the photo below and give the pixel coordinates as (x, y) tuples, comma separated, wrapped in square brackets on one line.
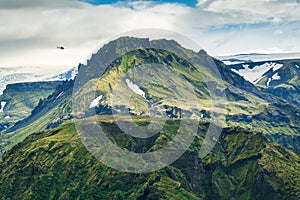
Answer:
[(246, 98)]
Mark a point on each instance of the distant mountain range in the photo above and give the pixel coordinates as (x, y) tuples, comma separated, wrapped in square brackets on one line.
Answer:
[(278, 77), (255, 157), (16, 75), (257, 57), (21, 92), (19, 99)]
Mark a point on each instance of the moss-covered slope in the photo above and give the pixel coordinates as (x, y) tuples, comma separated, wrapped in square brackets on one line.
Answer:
[(18, 100), (55, 165)]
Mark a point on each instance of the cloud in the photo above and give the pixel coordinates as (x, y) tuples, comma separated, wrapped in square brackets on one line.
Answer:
[(272, 50), (21, 4), (80, 28), (278, 32), (277, 20), (30, 30), (257, 9)]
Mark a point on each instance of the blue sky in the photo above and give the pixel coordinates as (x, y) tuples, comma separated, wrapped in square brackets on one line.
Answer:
[(191, 3)]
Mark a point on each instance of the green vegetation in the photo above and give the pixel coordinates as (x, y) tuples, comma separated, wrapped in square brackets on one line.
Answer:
[(55, 165), (44, 157), (22, 98), (42, 116), (246, 105)]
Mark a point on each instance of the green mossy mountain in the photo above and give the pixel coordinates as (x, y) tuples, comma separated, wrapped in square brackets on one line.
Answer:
[(45, 159), (282, 87), (246, 105), (54, 164), (49, 113)]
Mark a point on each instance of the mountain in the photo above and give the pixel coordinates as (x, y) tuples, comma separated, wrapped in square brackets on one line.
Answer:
[(22, 74), (257, 57), (54, 164), (283, 82), (132, 77), (279, 78), (50, 111), (246, 106), (20, 96), (18, 100)]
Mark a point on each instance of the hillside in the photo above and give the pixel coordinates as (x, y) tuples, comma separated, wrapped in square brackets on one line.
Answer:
[(280, 80), (49, 112), (18, 100), (243, 165)]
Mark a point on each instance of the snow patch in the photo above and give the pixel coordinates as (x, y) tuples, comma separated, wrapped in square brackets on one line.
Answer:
[(136, 89), (65, 76), (274, 77), (229, 62), (269, 81), (236, 71), (277, 67), (297, 66), (7, 117), (59, 95), (2, 105), (96, 102), (255, 74)]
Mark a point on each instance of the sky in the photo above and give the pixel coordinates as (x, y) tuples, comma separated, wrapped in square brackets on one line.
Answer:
[(31, 30)]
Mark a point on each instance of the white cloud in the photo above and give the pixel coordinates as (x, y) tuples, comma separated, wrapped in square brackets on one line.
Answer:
[(277, 20), (80, 28), (30, 30), (272, 50), (259, 9), (21, 4), (278, 32)]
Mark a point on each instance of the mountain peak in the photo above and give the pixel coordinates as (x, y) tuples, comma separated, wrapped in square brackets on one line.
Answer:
[(202, 52)]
